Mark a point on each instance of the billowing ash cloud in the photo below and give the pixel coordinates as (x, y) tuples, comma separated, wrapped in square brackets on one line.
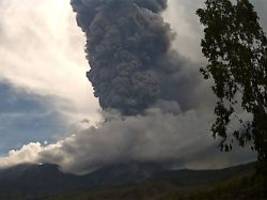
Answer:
[(164, 109), (128, 48), (156, 137)]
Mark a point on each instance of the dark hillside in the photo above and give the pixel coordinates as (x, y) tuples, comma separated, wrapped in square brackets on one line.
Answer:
[(32, 181)]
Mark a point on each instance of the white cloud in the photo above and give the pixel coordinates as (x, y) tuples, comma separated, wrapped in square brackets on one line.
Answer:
[(155, 137), (181, 15), (42, 52), (27, 154)]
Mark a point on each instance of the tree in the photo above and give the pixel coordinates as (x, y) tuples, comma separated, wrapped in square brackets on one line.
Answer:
[(236, 48)]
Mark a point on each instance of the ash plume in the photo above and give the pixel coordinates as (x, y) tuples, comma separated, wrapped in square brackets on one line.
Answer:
[(128, 49), (165, 108)]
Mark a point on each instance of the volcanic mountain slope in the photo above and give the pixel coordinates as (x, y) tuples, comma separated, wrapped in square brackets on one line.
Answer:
[(43, 181)]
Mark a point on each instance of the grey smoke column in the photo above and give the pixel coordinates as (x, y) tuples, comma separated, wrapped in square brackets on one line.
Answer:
[(128, 48)]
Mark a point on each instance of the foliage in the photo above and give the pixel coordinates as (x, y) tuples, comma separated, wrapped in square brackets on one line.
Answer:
[(236, 48)]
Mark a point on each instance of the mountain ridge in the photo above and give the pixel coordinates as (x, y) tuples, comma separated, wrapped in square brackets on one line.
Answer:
[(45, 180)]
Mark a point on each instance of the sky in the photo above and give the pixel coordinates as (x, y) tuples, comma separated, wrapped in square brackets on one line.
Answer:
[(42, 82), (46, 97)]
